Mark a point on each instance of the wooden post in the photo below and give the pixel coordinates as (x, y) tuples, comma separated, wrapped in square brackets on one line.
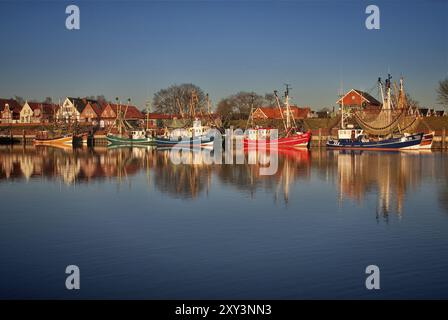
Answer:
[(23, 137), (443, 138), (320, 136)]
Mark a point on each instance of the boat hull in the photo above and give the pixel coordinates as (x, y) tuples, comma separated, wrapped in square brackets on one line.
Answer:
[(116, 140), (62, 141), (185, 143), (426, 143), (294, 141), (411, 142)]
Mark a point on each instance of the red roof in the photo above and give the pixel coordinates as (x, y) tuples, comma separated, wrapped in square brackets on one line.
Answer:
[(46, 108), (131, 112), (274, 113), (13, 105)]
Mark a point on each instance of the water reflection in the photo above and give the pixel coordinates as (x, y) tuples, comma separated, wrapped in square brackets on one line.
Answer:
[(387, 176)]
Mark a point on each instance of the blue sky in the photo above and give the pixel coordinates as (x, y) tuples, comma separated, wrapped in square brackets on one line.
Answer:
[(133, 49)]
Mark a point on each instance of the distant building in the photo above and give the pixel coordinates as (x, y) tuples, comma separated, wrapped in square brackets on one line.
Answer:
[(38, 112), (91, 113), (110, 112), (9, 111), (359, 99), (274, 113)]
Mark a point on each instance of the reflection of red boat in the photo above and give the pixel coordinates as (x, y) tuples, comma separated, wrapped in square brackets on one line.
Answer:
[(259, 138)]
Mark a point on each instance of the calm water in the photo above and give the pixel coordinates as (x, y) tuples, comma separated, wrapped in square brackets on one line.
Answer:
[(139, 226)]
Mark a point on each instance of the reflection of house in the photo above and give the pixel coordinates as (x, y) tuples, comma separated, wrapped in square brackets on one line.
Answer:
[(37, 112), (9, 110), (274, 113), (357, 98), (110, 111), (91, 113)]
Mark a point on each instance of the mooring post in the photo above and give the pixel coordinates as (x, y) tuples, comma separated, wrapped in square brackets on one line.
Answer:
[(23, 137), (443, 138), (320, 136)]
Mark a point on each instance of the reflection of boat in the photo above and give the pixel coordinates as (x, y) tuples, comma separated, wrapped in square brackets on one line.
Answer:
[(292, 138)]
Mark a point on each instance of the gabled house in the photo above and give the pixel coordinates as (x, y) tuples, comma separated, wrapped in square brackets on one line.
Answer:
[(26, 113), (274, 113), (9, 111), (71, 109), (440, 113), (91, 113), (110, 111), (359, 99), (43, 112), (426, 112)]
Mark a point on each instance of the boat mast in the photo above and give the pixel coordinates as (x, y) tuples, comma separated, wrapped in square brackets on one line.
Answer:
[(288, 120)]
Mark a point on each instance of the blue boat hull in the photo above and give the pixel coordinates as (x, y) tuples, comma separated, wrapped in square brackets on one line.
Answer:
[(405, 143)]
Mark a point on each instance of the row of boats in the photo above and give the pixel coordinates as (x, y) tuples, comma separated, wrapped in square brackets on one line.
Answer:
[(390, 129)]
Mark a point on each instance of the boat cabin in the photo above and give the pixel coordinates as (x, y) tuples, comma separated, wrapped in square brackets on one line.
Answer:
[(350, 134)]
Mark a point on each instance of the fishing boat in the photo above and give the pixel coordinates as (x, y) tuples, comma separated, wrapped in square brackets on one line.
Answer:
[(133, 137), (256, 137), (44, 138), (393, 128), (125, 134), (195, 136)]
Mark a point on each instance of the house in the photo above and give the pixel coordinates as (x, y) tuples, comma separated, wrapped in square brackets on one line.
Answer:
[(359, 99), (26, 113), (274, 113), (71, 109), (44, 112), (38, 112), (91, 113), (440, 113), (110, 111), (9, 111), (426, 112)]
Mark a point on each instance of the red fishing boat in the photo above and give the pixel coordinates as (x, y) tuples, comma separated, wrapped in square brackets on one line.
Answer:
[(260, 137), (263, 137)]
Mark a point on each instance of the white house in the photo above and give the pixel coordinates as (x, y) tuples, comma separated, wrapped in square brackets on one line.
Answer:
[(70, 110), (26, 113)]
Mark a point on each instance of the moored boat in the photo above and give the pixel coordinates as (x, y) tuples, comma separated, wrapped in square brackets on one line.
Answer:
[(135, 137), (293, 137), (261, 138), (64, 140), (361, 142), (392, 128)]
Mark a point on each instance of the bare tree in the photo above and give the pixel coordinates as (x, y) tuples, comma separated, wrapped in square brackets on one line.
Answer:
[(176, 97), (442, 92), (270, 99), (19, 100)]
